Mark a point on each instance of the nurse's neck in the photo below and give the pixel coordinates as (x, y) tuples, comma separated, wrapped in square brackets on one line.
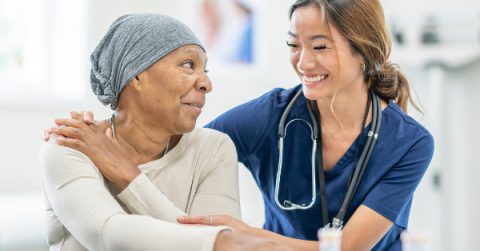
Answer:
[(345, 110)]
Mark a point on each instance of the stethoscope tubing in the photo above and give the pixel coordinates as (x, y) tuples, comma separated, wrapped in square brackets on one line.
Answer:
[(293, 206), (364, 158), (316, 137)]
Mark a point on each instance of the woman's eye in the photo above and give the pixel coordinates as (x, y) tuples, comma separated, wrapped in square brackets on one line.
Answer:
[(188, 64), (321, 47), (291, 45)]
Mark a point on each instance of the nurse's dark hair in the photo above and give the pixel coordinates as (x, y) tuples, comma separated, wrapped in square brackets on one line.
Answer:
[(362, 23)]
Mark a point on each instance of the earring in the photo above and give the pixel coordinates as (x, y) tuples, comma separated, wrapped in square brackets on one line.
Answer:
[(363, 67)]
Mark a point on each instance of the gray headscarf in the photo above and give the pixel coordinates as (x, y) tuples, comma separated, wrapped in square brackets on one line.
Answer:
[(132, 44)]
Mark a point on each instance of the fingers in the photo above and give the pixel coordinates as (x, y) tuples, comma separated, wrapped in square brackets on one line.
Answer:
[(73, 115), (70, 123), (205, 220), (76, 115), (46, 134), (77, 119), (88, 117), (72, 143), (85, 116), (69, 132), (213, 220)]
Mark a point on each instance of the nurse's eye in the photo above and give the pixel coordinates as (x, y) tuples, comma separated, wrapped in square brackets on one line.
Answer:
[(292, 45), (188, 64), (319, 48)]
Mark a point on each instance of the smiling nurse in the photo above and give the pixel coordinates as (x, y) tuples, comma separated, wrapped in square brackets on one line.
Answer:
[(340, 51)]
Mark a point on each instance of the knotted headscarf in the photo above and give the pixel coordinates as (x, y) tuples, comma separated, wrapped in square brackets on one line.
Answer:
[(132, 44)]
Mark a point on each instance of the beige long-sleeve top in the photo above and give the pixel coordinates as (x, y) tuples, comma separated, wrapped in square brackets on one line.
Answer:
[(197, 177)]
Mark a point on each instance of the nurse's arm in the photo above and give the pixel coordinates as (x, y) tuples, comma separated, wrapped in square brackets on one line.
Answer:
[(364, 229), (362, 232)]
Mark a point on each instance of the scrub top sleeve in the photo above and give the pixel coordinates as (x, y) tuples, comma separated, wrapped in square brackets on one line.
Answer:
[(229, 124), (246, 124), (395, 190), (82, 202), (218, 193)]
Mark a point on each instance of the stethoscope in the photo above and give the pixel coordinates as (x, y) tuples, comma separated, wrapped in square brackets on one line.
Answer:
[(316, 138)]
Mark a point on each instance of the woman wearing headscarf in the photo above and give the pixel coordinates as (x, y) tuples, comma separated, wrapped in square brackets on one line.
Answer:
[(121, 185)]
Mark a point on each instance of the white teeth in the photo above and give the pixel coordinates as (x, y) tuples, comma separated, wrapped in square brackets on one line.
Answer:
[(315, 79)]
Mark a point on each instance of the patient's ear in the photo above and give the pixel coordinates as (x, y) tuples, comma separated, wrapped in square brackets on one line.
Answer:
[(136, 83)]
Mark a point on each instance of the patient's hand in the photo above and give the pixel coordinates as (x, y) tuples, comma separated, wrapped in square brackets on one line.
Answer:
[(95, 140), (87, 117)]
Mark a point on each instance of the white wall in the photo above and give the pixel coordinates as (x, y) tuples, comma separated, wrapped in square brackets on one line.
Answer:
[(454, 203), (448, 93)]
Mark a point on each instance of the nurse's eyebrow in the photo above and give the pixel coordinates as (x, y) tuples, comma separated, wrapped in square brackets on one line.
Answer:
[(314, 37)]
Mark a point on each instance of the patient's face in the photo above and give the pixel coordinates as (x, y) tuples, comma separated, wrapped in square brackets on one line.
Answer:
[(174, 89)]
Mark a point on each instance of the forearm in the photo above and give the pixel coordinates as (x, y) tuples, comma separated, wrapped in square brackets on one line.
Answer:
[(125, 176), (100, 224), (364, 229), (136, 232), (142, 197), (349, 242), (296, 244)]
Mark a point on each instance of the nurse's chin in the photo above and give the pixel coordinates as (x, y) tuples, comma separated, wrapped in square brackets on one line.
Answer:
[(315, 94)]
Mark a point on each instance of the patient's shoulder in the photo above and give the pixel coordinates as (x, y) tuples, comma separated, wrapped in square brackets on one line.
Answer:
[(56, 159), (206, 139), (52, 151)]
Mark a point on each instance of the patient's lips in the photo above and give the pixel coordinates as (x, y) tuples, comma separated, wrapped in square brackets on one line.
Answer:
[(196, 104)]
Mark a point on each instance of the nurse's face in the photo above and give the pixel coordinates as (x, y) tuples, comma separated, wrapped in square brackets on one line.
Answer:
[(173, 89), (321, 56)]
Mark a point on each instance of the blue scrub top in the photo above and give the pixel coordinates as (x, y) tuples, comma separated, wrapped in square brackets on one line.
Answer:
[(400, 158)]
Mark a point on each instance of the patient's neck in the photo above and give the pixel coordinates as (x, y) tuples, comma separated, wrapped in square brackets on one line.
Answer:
[(143, 142)]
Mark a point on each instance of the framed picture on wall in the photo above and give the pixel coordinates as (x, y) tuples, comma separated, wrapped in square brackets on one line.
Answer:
[(229, 29)]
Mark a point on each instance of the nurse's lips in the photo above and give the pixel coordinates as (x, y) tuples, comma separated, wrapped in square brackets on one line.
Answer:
[(311, 80)]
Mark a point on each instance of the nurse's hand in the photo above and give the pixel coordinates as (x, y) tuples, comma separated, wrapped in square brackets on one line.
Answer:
[(233, 241), (217, 220)]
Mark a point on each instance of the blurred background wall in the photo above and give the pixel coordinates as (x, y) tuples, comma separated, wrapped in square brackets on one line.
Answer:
[(44, 68)]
